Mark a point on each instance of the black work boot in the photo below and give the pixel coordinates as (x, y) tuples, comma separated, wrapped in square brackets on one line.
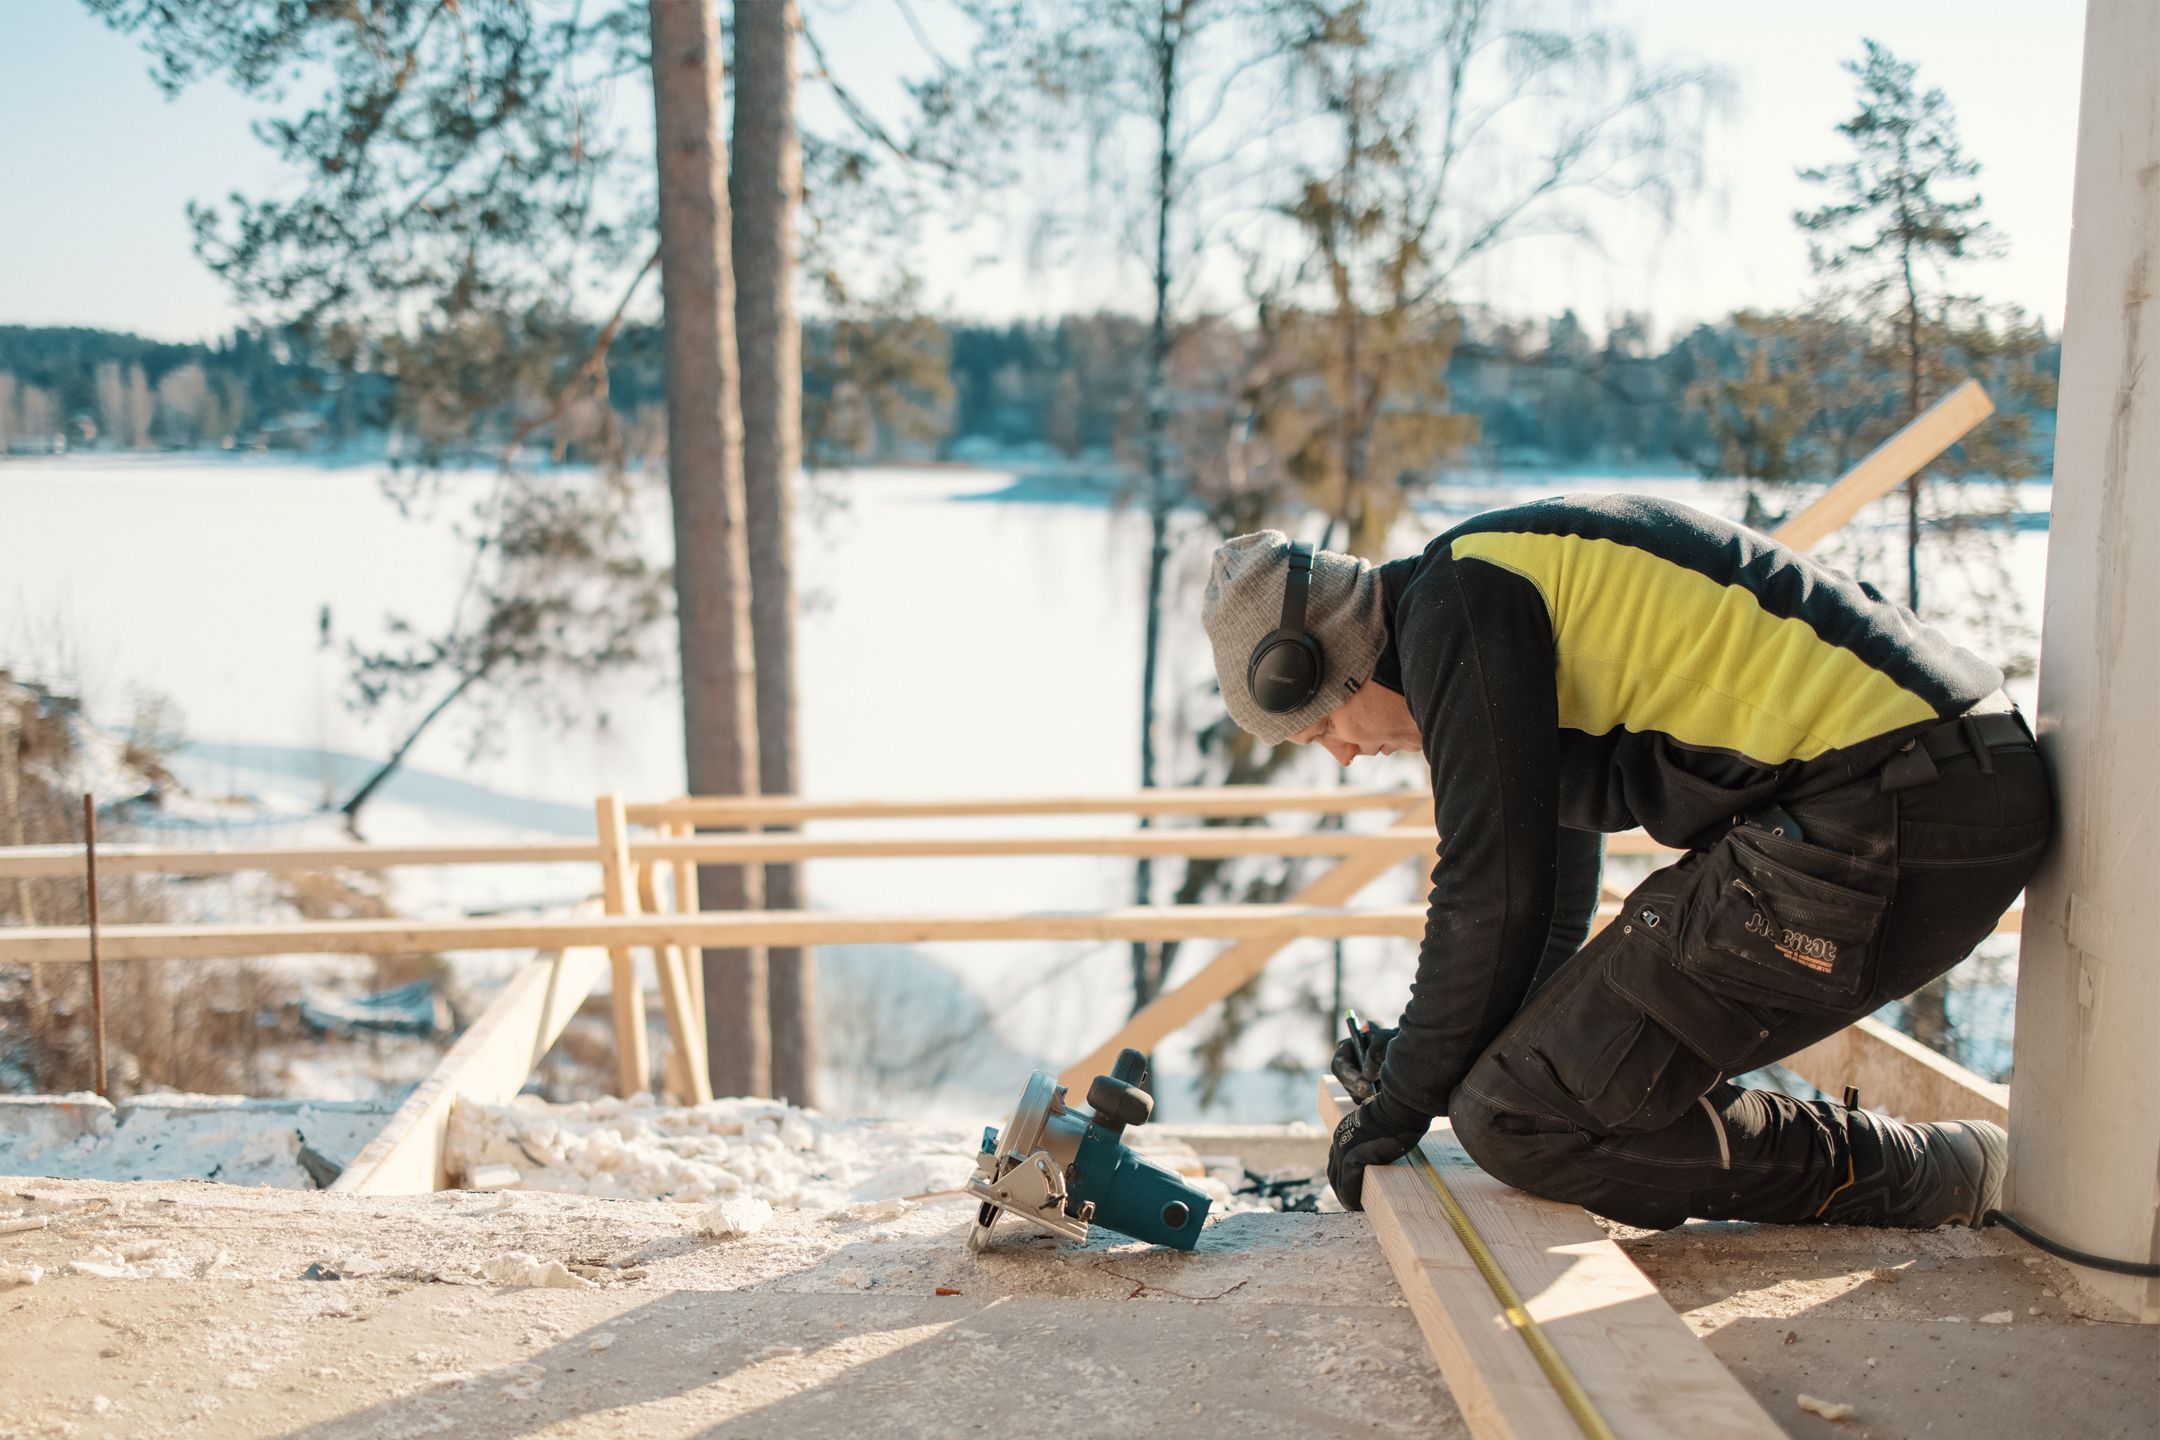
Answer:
[(1919, 1176)]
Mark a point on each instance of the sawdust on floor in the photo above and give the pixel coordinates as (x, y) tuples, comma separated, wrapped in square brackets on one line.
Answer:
[(189, 1310), (628, 1321)]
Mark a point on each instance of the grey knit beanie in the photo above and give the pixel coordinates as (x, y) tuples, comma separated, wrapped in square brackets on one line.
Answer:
[(1243, 606)]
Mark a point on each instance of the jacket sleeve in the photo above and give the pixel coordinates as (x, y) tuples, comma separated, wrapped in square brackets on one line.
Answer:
[(1478, 674)]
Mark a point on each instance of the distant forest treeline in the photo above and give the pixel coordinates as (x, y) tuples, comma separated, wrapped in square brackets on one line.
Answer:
[(1542, 393)]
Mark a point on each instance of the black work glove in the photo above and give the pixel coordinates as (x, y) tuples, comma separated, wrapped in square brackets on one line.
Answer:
[(1358, 1065), (1378, 1132)]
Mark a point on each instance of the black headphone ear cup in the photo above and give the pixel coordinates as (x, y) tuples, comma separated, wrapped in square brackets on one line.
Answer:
[(1285, 673)]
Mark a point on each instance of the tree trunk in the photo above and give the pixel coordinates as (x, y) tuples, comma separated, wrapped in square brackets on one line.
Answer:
[(1912, 413), (351, 808), (1352, 418), (765, 192), (1927, 1010), (1146, 968), (705, 481)]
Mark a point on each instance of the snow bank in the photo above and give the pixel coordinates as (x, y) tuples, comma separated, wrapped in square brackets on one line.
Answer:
[(746, 1157), (292, 1145), (758, 1149)]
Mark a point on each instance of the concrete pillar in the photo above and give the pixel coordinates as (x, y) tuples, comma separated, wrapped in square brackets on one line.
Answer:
[(2085, 1106)]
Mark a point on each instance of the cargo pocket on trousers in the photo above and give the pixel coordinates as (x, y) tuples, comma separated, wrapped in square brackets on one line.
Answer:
[(1626, 1072), (1719, 1031), (1613, 1073), (1763, 930)]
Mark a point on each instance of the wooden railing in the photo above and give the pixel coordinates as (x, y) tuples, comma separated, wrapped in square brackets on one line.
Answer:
[(648, 894), (649, 898)]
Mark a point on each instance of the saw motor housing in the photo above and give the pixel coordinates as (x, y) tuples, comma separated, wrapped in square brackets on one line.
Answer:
[(1067, 1169)]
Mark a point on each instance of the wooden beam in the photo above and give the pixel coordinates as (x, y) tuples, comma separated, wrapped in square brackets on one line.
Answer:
[(489, 1064), (711, 928), (687, 1062), (20, 945), (686, 900), (1222, 976), (686, 850), (1636, 1362), (1226, 801), (1888, 466), (35, 862), (1899, 1076), (1209, 842), (633, 1065)]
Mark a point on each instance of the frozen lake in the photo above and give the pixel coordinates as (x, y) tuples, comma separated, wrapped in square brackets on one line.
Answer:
[(952, 643)]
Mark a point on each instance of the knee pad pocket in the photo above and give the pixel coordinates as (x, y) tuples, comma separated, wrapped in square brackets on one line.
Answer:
[(1615, 1073)]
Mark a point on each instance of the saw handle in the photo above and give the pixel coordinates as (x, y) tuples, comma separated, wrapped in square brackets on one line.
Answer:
[(1131, 1068), (1121, 1098)]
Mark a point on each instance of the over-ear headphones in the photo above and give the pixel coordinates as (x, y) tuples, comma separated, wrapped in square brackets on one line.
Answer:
[(1285, 669)]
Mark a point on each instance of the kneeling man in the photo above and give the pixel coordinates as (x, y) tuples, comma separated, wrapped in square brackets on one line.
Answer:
[(1858, 801)]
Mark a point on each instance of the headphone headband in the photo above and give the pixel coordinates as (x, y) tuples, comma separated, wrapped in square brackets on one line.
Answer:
[(1296, 589)]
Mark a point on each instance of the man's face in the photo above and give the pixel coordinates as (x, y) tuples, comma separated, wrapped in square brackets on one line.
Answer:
[(1374, 721)]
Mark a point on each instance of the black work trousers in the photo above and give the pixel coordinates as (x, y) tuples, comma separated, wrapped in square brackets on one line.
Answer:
[(1609, 1089)]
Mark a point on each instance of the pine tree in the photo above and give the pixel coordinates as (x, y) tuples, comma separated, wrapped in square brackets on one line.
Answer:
[(765, 196), (705, 477), (1903, 213), (1900, 216)]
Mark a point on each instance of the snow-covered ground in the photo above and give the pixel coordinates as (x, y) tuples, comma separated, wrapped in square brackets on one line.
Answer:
[(953, 642), (770, 1154), (293, 1145), (761, 1149)]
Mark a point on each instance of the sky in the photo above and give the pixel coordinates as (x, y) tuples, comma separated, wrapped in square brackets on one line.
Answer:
[(101, 166)]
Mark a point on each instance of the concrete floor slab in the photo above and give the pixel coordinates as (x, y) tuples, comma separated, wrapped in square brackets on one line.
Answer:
[(181, 1309)]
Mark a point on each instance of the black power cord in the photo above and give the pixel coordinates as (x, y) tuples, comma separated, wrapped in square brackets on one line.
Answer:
[(2065, 1252)]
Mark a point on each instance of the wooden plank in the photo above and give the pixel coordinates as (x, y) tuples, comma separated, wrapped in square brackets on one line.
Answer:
[(1210, 842), (686, 1028), (1899, 1076), (678, 1075), (1888, 466), (633, 1065), (1227, 800), (683, 849), (710, 928), (1222, 976), (1642, 1368), (20, 945), (686, 901), (489, 1063), (65, 861)]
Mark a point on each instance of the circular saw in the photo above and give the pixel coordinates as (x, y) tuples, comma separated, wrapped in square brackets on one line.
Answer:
[(1066, 1169)]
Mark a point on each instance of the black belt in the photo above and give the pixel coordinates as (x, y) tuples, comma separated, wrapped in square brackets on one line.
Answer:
[(1973, 734)]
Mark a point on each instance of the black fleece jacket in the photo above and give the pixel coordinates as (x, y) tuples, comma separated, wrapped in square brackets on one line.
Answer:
[(1590, 664)]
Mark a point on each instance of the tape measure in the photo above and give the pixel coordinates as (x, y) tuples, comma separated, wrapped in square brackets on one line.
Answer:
[(1570, 1390)]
